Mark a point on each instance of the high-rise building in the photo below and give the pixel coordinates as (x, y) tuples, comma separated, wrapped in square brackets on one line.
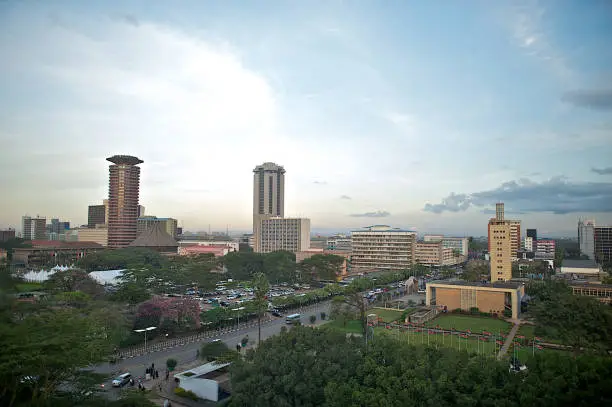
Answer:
[(96, 215), (268, 196), (291, 234), (500, 246), (123, 191), (141, 211), (7, 234), (34, 228), (603, 244), (381, 247), (545, 249), (529, 244), (169, 225), (586, 238), (532, 233)]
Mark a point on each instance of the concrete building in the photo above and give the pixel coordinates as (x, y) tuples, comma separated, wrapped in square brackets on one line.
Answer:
[(7, 234), (123, 192), (494, 297), (232, 245), (586, 238), (268, 197), (532, 233), (217, 251), (209, 382), (461, 244), (500, 246), (434, 254), (603, 244), (170, 225), (382, 247), (44, 253), (545, 249), (603, 292), (291, 234), (98, 234), (34, 228), (529, 244), (582, 269), (342, 243), (96, 214)]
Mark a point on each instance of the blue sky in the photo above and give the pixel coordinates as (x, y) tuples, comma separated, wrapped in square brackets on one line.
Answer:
[(409, 113)]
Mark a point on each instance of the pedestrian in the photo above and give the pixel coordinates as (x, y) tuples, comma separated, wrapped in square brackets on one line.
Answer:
[(238, 348), (160, 387), (152, 366), (157, 374)]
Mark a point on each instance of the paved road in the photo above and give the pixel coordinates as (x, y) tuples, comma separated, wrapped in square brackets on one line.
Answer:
[(509, 339), (187, 353)]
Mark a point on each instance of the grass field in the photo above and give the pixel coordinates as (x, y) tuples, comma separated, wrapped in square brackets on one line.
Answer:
[(27, 287), (528, 331), (465, 322), (387, 315), (352, 326)]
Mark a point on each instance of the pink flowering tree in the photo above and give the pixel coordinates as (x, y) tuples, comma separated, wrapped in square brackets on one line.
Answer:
[(179, 312)]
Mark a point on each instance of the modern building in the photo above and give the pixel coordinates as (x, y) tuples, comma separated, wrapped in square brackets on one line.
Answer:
[(170, 225), (268, 196), (581, 269), (7, 234), (156, 238), (434, 254), (545, 249), (341, 243), (209, 382), (96, 214), (500, 246), (34, 228), (291, 234), (603, 244), (460, 244), (44, 253), (493, 297), (123, 192), (98, 234), (586, 238), (56, 230), (382, 247), (532, 233)]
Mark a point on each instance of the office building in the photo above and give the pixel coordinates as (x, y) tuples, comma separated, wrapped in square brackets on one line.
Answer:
[(545, 249), (57, 227), (532, 233), (34, 228), (459, 244), (7, 234), (268, 197), (381, 247), (291, 234), (434, 254), (586, 238), (123, 208), (500, 246), (170, 225), (529, 244), (141, 211), (603, 244), (98, 234), (341, 243), (96, 214)]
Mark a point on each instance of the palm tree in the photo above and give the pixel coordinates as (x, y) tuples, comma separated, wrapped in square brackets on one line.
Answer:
[(261, 286)]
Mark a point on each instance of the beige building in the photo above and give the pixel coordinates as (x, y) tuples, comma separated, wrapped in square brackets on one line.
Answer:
[(461, 244), (99, 235), (500, 246), (268, 197), (291, 234), (435, 254), (169, 225), (382, 247)]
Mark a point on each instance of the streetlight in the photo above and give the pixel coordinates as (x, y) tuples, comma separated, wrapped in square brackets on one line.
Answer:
[(145, 330)]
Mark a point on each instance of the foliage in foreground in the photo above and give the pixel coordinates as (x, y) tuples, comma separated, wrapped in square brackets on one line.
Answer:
[(309, 367)]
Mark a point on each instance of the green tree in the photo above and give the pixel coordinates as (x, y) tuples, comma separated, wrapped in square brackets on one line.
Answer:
[(325, 267), (475, 270), (279, 266), (212, 351), (261, 286), (171, 363)]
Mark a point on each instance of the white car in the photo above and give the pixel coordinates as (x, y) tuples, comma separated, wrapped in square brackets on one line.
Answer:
[(122, 380)]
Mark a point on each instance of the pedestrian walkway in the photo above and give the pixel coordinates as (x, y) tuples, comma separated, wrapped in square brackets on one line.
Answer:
[(509, 340)]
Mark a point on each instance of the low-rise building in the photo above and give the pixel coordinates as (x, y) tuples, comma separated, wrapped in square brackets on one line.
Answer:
[(603, 292), (7, 234), (341, 243), (487, 297), (97, 234), (170, 225), (581, 269), (434, 254), (545, 249), (460, 244), (382, 247), (194, 250), (156, 238), (51, 253)]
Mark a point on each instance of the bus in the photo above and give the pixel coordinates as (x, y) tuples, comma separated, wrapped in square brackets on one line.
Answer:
[(293, 318)]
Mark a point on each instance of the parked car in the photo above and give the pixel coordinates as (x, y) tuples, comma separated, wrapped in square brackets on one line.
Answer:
[(122, 380)]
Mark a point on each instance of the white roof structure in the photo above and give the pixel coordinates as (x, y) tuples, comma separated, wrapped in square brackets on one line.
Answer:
[(202, 380), (107, 277)]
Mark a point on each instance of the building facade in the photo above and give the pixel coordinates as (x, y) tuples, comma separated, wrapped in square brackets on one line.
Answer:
[(342, 243), (461, 244), (44, 253), (34, 228), (545, 249), (99, 235), (500, 246), (96, 215), (7, 234), (586, 238), (603, 244), (291, 234), (434, 254), (529, 244), (170, 225), (532, 233), (123, 193), (268, 197), (382, 247)]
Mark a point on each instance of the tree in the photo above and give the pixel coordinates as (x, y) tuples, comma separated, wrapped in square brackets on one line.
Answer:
[(212, 351), (325, 267), (474, 270), (171, 364), (261, 286), (72, 280), (351, 305), (279, 266)]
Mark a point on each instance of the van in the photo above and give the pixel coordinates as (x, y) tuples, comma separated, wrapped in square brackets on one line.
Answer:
[(122, 380)]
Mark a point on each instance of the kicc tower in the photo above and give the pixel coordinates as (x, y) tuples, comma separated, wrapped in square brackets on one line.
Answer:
[(123, 192)]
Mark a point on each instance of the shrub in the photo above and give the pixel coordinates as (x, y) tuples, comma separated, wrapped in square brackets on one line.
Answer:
[(507, 313), (171, 364), (313, 319), (474, 310), (323, 315), (179, 391)]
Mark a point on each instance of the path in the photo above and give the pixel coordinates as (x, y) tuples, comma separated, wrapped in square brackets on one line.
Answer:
[(509, 340)]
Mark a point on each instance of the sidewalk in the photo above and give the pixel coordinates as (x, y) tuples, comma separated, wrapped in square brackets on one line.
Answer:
[(509, 340)]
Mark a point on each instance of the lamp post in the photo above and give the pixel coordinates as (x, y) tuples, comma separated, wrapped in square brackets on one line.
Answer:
[(145, 330)]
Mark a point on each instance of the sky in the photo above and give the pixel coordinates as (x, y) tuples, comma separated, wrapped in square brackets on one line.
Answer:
[(413, 114)]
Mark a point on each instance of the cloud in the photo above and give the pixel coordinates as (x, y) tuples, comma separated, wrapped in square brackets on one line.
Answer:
[(345, 197), (320, 182), (596, 99), (557, 195), (377, 214), (602, 171)]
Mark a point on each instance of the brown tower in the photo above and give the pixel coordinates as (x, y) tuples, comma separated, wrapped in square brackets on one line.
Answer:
[(123, 190)]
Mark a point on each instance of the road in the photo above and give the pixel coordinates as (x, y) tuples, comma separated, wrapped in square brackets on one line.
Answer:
[(187, 354)]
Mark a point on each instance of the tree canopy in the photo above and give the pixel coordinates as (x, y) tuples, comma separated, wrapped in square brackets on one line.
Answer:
[(325, 267), (278, 266)]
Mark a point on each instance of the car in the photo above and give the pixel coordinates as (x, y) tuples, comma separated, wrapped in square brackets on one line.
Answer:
[(122, 380), (277, 314)]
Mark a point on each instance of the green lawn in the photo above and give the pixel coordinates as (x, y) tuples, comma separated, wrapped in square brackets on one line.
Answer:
[(27, 287), (465, 322), (352, 326), (387, 315), (528, 331)]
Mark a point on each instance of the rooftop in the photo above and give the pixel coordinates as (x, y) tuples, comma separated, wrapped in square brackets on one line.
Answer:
[(154, 236), (201, 370), (590, 264), (124, 159), (497, 284), (58, 244)]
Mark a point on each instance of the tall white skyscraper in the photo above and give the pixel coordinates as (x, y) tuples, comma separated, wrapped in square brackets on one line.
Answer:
[(268, 196), (586, 238)]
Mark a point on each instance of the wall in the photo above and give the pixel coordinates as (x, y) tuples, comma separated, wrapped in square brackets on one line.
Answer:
[(203, 388)]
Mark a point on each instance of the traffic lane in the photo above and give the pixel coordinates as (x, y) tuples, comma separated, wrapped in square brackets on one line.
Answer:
[(187, 353)]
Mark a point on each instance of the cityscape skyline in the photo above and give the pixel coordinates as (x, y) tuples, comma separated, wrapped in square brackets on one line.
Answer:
[(410, 135)]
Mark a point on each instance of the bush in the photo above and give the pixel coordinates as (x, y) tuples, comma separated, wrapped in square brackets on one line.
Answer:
[(474, 310), (179, 391), (508, 313), (323, 315), (313, 319), (171, 364)]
